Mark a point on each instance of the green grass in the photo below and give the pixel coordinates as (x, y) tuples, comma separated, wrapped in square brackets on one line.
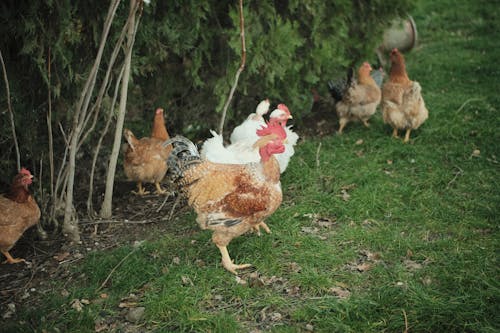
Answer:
[(423, 216)]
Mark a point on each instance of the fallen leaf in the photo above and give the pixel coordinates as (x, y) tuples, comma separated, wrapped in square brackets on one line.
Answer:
[(186, 281), (359, 142), (476, 152), (103, 295), (127, 305), (176, 260), (275, 316), (310, 230), (240, 280), (345, 196), (360, 153), (77, 305), (341, 293), (389, 162), (309, 328), (61, 256), (364, 267), (412, 265)]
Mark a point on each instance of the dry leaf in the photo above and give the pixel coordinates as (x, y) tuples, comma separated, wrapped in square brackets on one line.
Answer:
[(476, 152), (359, 142), (61, 256), (364, 267), (127, 305), (103, 295), (310, 230), (341, 293), (176, 260), (240, 280), (412, 265), (100, 326), (345, 196), (77, 305), (309, 328), (186, 281), (360, 153), (389, 162)]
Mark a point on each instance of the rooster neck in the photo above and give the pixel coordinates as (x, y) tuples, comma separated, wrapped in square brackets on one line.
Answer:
[(19, 194), (271, 169)]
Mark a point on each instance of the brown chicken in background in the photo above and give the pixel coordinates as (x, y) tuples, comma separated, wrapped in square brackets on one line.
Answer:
[(230, 199), (18, 212), (146, 159), (402, 104), (356, 100)]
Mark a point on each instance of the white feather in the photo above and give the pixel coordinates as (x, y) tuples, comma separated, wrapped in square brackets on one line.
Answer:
[(246, 130)]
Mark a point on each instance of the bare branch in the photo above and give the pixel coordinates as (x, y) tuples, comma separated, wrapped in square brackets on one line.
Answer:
[(240, 69), (13, 126)]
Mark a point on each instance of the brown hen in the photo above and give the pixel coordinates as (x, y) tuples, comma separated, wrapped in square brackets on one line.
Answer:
[(18, 212)]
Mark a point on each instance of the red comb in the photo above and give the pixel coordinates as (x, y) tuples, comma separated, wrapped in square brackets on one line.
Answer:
[(272, 128), (283, 107), (25, 171), (159, 110)]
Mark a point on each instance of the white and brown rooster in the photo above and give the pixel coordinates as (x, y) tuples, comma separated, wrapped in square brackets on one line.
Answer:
[(230, 199)]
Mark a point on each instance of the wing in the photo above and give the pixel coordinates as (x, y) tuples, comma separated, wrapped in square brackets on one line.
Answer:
[(363, 94), (241, 152), (236, 190), (393, 93)]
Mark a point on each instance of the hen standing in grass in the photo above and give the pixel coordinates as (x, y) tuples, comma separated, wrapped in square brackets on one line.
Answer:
[(230, 199), (145, 159), (356, 100), (18, 212), (402, 104)]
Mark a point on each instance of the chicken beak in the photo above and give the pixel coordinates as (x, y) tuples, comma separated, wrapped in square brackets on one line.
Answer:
[(290, 117)]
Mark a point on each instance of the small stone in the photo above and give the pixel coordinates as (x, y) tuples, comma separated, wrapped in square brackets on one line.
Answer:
[(135, 314)]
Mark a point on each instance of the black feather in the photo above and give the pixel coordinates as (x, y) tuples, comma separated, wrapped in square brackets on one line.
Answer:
[(339, 87)]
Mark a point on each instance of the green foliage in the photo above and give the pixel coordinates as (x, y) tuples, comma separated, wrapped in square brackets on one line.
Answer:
[(185, 57)]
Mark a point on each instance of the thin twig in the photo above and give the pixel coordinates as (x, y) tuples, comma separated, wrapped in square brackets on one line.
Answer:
[(14, 136), (317, 155), (238, 72), (467, 102), (163, 203), (406, 322), (173, 207), (114, 269), (458, 173)]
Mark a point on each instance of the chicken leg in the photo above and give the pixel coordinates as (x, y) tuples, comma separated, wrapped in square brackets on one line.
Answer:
[(141, 190), (342, 123), (264, 226), (228, 263), (407, 135), (11, 260), (395, 133), (159, 190)]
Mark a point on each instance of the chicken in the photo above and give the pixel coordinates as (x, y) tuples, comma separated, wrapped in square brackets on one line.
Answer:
[(145, 158), (19, 211), (246, 130), (402, 104), (230, 199), (145, 161), (356, 100), (159, 131), (245, 151)]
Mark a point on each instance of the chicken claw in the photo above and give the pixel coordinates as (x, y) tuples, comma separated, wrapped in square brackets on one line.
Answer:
[(11, 260), (159, 190), (264, 226), (141, 190), (228, 263)]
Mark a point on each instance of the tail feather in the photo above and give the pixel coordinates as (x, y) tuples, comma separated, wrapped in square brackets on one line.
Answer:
[(184, 154), (339, 87)]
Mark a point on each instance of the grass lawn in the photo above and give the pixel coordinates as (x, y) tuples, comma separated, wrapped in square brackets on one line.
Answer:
[(373, 235)]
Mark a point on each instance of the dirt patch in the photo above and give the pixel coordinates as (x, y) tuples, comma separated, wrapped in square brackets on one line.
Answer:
[(134, 218)]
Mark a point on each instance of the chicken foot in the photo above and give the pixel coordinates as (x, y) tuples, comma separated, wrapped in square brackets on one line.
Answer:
[(395, 133), (11, 260), (159, 190), (141, 190), (264, 226), (342, 123), (228, 263), (407, 135)]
